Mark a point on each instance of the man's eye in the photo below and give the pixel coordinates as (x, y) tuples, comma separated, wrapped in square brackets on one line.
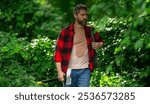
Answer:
[(84, 15)]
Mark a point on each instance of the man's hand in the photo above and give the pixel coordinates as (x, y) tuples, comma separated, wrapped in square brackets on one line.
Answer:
[(96, 45), (61, 76)]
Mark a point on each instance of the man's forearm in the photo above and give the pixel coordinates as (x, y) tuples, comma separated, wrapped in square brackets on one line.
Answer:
[(61, 74), (58, 66)]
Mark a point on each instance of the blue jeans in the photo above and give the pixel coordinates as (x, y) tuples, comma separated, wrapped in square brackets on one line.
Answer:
[(80, 78)]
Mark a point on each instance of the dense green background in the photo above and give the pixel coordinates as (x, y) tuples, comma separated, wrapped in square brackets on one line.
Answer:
[(29, 29)]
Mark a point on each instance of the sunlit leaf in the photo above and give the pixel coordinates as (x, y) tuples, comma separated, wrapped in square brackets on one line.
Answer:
[(138, 44), (4, 49)]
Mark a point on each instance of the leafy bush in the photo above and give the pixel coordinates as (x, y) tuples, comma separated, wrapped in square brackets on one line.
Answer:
[(126, 49), (116, 80), (41, 60), (23, 63), (12, 61), (30, 18)]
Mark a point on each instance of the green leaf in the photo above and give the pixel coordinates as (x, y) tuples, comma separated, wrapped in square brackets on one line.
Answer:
[(105, 78), (4, 49), (126, 41), (148, 45), (138, 44), (109, 69), (117, 50), (118, 61)]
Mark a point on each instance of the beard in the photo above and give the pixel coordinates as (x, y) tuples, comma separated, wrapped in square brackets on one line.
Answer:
[(82, 22)]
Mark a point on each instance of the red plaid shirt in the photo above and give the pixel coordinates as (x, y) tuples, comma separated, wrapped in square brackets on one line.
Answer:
[(65, 43)]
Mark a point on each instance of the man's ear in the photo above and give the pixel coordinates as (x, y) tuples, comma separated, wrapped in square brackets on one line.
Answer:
[(75, 15)]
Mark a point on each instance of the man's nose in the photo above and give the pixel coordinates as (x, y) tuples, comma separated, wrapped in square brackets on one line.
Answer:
[(85, 16)]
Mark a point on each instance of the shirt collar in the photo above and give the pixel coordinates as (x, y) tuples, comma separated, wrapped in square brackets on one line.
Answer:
[(71, 27)]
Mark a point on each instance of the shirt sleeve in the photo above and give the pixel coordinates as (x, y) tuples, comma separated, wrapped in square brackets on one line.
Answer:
[(97, 37), (59, 47)]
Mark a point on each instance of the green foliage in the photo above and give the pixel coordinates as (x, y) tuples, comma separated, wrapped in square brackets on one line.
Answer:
[(126, 48), (13, 71), (30, 18), (41, 62), (117, 80), (23, 63)]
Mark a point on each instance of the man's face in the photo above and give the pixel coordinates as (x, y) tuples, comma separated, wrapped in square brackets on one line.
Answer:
[(81, 17)]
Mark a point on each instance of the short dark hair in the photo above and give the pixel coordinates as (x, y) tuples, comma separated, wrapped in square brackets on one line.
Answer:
[(78, 7)]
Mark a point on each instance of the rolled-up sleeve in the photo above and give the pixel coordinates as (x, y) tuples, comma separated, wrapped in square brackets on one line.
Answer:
[(59, 47), (98, 37)]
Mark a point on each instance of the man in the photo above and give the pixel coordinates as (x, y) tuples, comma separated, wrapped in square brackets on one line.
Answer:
[(74, 52)]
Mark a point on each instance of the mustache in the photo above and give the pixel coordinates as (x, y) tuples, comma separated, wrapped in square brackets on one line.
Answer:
[(85, 20)]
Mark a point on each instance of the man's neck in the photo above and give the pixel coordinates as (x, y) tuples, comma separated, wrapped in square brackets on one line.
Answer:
[(77, 25)]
